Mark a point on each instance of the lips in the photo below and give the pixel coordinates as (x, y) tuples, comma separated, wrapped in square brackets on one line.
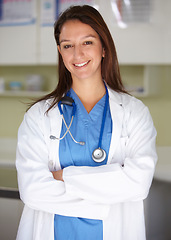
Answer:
[(81, 64)]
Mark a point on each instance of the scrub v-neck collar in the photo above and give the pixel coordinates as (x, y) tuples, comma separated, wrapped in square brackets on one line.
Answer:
[(96, 111)]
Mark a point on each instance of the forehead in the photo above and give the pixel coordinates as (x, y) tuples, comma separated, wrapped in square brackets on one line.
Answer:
[(76, 29)]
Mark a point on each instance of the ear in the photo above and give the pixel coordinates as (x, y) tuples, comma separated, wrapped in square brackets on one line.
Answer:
[(59, 49), (103, 52)]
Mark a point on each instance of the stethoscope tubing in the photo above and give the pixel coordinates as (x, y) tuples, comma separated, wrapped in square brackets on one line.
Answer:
[(99, 154), (104, 118)]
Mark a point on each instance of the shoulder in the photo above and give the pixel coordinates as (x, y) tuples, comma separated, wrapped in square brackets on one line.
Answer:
[(37, 117), (36, 111), (125, 100), (40, 108), (133, 108)]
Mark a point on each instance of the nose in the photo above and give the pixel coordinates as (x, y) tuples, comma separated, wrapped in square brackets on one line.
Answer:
[(78, 52)]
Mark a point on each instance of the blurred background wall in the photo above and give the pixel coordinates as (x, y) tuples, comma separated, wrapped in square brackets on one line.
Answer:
[(144, 52)]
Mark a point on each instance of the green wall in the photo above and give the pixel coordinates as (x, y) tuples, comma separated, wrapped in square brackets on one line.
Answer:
[(160, 108)]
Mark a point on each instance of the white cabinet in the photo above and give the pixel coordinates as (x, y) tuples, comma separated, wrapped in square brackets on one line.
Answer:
[(139, 44), (142, 43), (47, 47), (18, 45), (27, 45)]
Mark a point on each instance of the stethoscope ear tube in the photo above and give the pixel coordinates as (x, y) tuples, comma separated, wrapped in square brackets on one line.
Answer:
[(66, 100)]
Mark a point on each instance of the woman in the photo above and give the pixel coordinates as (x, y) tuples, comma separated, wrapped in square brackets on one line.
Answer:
[(86, 152)]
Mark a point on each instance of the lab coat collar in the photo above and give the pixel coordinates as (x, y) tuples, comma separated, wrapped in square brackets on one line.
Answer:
[(115, 97), (117, 114), (49, 101)]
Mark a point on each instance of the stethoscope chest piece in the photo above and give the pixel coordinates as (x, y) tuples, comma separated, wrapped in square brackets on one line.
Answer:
[(99, 155)]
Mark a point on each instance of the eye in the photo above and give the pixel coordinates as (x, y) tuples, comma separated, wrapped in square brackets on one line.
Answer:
[(88, 43), (67, 46)]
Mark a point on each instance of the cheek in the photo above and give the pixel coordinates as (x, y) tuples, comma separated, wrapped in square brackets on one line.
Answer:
[(67, 62), (100, 52), (65, 59)]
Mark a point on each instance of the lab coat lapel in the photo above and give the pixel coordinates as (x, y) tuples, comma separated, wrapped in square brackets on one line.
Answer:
[(55, 130), (117, 114)]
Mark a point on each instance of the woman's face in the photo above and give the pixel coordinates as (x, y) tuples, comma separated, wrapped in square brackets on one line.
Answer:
[(81, 50)]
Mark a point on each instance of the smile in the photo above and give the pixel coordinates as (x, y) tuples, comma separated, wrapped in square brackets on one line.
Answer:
[(81, 64)]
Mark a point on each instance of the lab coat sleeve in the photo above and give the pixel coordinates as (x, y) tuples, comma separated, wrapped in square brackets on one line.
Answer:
[(116, 182), (38, 189)]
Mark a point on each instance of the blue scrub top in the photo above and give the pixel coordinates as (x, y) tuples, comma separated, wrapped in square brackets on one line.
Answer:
[(85, 127)]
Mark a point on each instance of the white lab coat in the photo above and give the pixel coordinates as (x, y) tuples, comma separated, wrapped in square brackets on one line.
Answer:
[(113, 193)]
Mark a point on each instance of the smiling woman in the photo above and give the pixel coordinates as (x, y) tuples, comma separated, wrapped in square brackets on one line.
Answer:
[(84, 168), (82, 55)]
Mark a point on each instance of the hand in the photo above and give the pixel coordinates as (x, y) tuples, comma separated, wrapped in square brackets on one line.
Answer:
[(58, 175)]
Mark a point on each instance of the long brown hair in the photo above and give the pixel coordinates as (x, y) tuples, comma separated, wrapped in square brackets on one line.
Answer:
[(110, 66)]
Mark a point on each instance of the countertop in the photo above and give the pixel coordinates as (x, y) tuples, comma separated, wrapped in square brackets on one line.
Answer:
[(8, 175), (163, 167)]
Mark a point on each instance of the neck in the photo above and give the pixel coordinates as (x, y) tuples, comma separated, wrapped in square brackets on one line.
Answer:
[(89, 92)]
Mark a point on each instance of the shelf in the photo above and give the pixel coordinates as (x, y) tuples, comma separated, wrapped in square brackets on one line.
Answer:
[(139, 80), (23, 93), (142, 81)]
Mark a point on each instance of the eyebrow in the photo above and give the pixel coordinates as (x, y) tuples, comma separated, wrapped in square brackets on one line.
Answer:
[(88, 36)]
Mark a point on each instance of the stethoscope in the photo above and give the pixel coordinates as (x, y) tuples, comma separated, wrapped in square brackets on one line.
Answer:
[(99, 154)]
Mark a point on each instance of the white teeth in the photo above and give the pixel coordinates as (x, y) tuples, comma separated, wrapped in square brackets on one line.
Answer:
[(81, 64)]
